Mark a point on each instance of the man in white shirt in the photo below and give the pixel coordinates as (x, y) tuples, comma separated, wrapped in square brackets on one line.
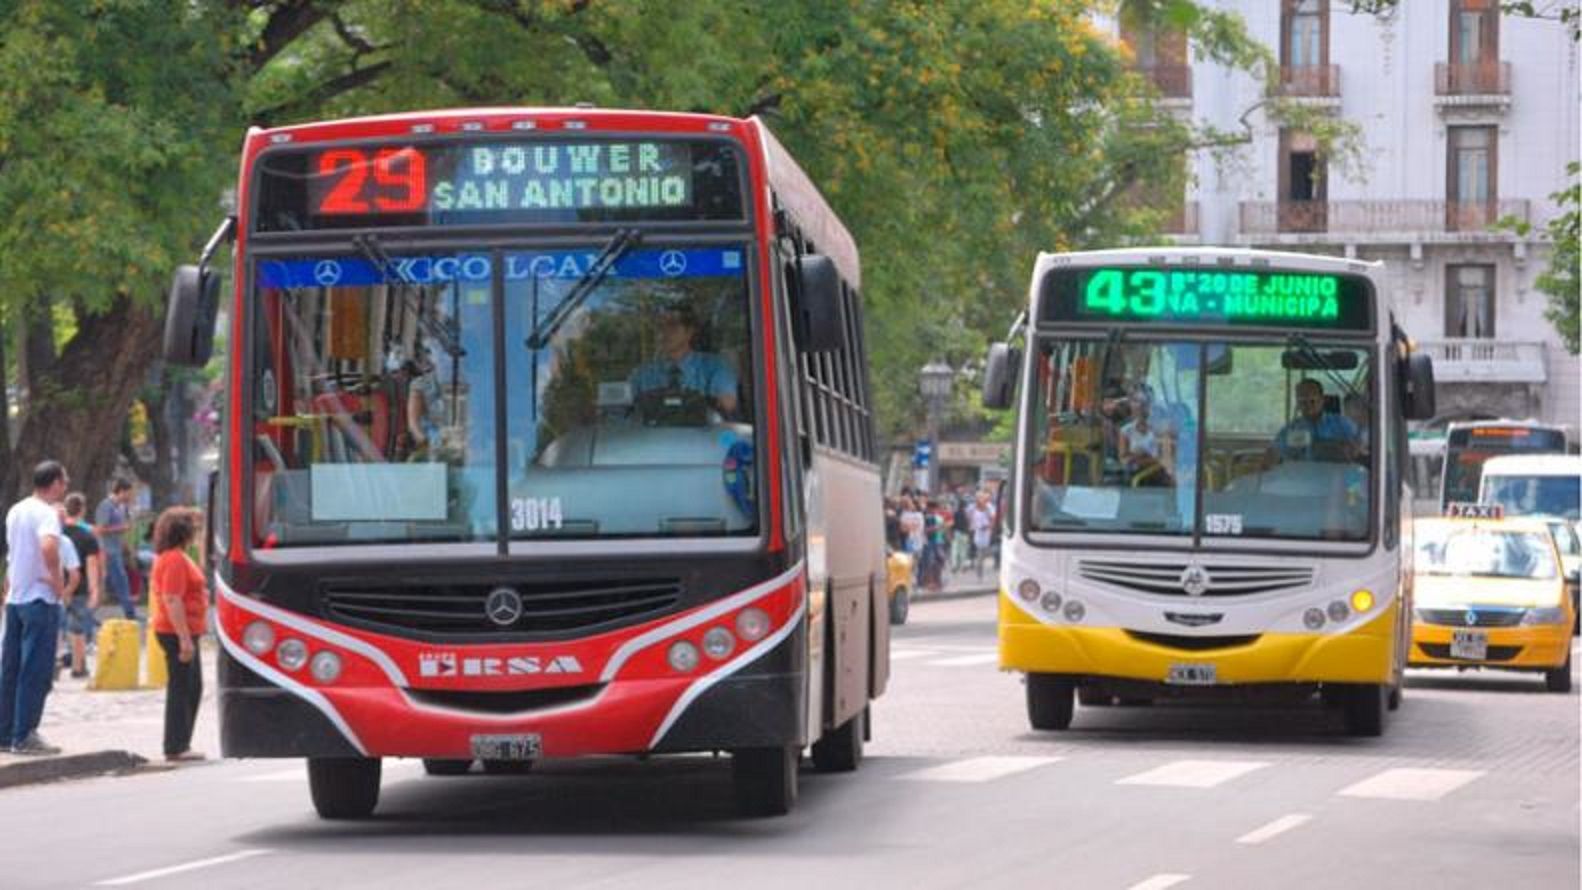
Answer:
[(34, 585)]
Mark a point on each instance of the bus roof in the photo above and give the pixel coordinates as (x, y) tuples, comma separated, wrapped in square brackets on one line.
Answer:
[(505, 118), (1533, 465)]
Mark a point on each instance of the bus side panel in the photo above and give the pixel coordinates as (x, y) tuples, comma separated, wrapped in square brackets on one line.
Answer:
[(854, 552)]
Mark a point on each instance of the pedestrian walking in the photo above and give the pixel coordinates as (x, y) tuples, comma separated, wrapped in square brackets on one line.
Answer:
[(112, 520), (178, 606), (34, 586), (81, 618)]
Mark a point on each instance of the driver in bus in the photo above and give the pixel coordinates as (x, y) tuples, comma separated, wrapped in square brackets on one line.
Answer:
[(1315, 434), (681, 367)]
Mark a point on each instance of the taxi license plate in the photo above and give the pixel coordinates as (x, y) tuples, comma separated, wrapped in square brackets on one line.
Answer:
[(1469, 644), (1191, 674), (525, 746)]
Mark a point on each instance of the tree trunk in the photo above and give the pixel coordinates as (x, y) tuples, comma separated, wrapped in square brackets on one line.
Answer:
[(77, 418)]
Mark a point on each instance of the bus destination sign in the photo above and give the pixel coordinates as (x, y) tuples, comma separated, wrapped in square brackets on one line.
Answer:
[(1239, 297)]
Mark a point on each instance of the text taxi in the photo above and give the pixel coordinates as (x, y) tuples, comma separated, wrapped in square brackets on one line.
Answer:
[(1489, 592)]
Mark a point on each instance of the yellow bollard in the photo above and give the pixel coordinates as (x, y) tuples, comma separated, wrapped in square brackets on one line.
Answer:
[(154, 673), (116, 664)]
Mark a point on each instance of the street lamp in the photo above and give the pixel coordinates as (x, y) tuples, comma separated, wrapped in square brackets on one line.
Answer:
[(935, 380)]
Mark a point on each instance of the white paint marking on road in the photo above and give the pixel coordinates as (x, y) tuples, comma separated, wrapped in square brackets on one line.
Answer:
[(1278, 826), (904, 654), (1160, 882), (979, 769), (1411, 784), (966, 660), (299, 774), (178, 869), (1194, 773)]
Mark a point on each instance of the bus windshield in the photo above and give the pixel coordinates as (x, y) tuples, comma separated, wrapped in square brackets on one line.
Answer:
[(626, 407), (1128, 433), (1469, 446), (1450, 549)]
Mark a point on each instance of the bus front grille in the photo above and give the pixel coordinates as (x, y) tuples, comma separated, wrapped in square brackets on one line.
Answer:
[(1193, 644), (467, 608), (1209, 579)]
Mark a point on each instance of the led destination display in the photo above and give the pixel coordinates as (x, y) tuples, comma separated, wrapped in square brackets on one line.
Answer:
[(1207, 297)]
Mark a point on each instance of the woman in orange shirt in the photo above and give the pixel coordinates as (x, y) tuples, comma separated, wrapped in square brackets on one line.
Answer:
[(179, 619)]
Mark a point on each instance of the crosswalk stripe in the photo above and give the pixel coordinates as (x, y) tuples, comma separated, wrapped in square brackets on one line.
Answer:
[(1278, 826), (1193, 773), (966, 660), (979, 769), (1160, 882), (1411, 784)]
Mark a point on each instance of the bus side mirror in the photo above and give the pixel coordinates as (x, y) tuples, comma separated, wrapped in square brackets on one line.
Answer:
[(998, 374), (1417, 399), (817, 305), (190, 313)]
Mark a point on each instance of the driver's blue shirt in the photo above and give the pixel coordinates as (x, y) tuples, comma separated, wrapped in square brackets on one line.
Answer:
[(702, 372), (1297, 438)]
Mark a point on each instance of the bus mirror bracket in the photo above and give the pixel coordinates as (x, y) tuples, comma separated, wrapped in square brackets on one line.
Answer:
[(1418, 379), (194, 304), (998, 369), (817, 305)]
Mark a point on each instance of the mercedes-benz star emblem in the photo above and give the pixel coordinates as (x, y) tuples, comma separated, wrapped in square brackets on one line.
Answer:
[(1194, 580), (504, 606), (327, 273), (672, 263)]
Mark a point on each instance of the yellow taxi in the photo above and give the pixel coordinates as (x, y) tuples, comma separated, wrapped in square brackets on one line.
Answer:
[(898, 568), (1490, 592)]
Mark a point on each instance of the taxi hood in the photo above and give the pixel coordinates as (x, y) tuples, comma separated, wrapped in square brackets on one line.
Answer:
[(1439, 591)]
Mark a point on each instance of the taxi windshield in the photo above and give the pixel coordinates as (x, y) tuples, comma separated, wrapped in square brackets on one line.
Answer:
[(1477, 551)]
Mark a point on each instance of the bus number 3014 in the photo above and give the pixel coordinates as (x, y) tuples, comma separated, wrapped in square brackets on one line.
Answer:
[(533, 514)]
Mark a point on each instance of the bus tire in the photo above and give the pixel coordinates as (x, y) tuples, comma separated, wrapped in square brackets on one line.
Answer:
[(1397, 692), (1559, 679), (344, 787), (765, 780), (436, 766), (1050, 701), (840, 749), (900, 605), (1364, 708)]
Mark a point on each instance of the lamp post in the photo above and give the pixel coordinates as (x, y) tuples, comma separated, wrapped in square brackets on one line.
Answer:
[(935, 381)]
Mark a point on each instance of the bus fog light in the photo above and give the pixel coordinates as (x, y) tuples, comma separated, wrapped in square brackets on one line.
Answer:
[(718, 643), (1074, 611), (292, 654), (1361, 600), (259, 638), (1313, 619), (1338, 611), (683, 657), (1050, 603), (1027, 590), (325, 667), (752, 624)]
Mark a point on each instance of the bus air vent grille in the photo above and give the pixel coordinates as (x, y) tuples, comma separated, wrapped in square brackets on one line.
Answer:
[(1194, 644), (450, 608), (1210, 579)]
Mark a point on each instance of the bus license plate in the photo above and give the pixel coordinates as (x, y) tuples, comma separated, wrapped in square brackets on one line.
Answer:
[(1191, 675), (1469, 644), (526, 746)]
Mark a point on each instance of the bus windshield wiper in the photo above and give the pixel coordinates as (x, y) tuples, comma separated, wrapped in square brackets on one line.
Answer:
[(440, 330), (615, 248), (1321, 363)]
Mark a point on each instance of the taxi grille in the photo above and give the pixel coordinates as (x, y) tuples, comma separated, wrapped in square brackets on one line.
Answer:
[(1458, 617), (1495, 653), (459, 608)]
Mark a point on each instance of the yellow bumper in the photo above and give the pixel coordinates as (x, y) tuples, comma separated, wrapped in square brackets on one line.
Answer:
[(1364, 655), (1538, 646)]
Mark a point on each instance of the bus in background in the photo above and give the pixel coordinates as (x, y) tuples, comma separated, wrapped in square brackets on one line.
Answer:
[(548, 433), (1469, 443), (1210, 465)]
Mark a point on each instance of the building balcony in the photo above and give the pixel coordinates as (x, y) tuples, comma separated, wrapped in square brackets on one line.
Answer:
[(1310, 81), (1172, 81), (1486, 361), (1472, 79), (1380, 221)]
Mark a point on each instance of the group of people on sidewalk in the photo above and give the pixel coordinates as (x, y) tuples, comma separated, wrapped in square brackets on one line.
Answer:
[(945, 533), (57, 569)]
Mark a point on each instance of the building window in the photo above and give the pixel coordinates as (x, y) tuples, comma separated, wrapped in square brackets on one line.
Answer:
[(1471, 187), (1303, 190), (1474, 48), (1304, 49), (1161, 57), (1469, 301)]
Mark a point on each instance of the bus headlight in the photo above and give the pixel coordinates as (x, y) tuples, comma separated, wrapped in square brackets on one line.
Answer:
[(259, 638), (1338, 611), (325, 667), (1050, 602), (1027, 590), (683, 657), (1074, 611), (718, 643), (1313, 619), (1544, 615), (1361, 600), (292, 654), (752, 624)]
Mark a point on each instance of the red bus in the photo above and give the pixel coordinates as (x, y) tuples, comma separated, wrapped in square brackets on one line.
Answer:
[(548, 434)]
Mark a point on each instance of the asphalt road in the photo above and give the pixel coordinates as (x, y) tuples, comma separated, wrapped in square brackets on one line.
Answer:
[(1475, 784)]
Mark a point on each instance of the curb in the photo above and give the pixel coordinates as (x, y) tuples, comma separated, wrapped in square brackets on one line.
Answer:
[(69, 766)]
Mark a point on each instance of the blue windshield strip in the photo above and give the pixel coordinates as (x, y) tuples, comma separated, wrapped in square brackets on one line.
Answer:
[(544, 265)]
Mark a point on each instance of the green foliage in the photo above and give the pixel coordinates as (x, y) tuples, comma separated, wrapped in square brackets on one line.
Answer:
[(1560, 280)]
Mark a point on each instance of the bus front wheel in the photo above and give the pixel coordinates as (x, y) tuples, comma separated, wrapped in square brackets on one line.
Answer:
[(1050, 700), (765, 780), (1364, 705), (344, 787)]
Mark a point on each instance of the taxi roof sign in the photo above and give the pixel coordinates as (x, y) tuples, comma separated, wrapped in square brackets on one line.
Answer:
[(1466, 510)]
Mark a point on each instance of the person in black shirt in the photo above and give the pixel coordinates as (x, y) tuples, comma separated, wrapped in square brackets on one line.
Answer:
[(80, 619)]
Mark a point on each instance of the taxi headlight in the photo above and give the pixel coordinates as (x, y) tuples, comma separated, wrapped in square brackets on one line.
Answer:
[(1545, 615)]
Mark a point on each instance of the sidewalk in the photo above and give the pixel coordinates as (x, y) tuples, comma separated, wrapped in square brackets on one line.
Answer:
[(101, 732)]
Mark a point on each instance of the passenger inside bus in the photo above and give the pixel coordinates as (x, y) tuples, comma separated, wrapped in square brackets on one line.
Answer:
[(1315, 434), (1145, 447), (668, 387)]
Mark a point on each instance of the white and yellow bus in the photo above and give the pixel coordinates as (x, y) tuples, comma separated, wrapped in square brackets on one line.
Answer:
[(1209, 493)]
